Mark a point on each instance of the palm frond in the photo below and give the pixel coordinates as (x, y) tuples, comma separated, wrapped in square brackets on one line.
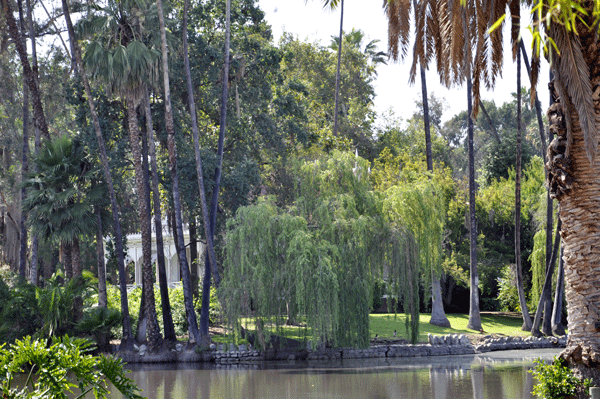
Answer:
[(572, 71)]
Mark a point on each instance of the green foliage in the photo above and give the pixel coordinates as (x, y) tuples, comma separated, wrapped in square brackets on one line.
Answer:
[(60, 368), (556, 380), (98, 323), (508, 295), (317, 258), (59, 304)]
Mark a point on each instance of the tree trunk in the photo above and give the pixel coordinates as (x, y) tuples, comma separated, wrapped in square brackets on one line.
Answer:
[(127, 340), (522, 299), (101, 272), (194, 255), (474, 316), (183, 264), (24, 171), (153, 333), (545, 296), (13, 30), (557, 325), (580, 214), (438, 315), (338, 70), (160, 247)]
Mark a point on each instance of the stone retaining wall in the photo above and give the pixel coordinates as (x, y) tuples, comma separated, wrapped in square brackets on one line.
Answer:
[(453, 344)]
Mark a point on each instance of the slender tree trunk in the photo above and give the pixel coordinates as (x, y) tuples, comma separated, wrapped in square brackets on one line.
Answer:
[(13, 30), (67, 259), (153, 333), (101, 272), (489, 121), (557, 326), (545, 297), (474, 315), (549, 201), (76, 258), (438, 315), (160, 247), (34, 263), (180, 245), (194, 254), (338, 70), (127, 340), (24, 171), (522, 299)]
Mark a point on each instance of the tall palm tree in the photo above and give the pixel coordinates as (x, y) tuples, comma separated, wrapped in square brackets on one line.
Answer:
[(333, 4), (126, 65), (210, 263), (522, 299), (183, 264), (168, 326), (573, 170), (127, 339), (438, 315)]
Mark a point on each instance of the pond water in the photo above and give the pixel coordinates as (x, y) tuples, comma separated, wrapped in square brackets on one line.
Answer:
[(496, 375)]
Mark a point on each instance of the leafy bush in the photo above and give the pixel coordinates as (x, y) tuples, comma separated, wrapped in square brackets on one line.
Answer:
[(98, 322), (53, 371), (556, 380), (507, 290)]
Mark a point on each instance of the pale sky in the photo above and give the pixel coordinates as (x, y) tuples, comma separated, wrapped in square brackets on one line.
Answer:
[(309, 21)]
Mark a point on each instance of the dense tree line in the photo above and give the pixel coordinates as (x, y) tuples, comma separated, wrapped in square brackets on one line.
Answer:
[(187, 112)]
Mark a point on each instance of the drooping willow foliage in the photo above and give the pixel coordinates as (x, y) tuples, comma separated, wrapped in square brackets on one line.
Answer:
[(317, 259)]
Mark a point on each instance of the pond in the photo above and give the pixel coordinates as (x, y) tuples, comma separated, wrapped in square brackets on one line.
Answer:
[(494, 375)]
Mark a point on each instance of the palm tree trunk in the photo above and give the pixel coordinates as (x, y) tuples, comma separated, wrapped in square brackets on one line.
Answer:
[(207, 221), (522, 299), (24, 171), (169, 328), (557, 326), (545, 297), (338, 70), (183, 264), (153, 333), (438, 315), (34, 262), (127, 339), (474, 315), (101, 272), (193, 254)]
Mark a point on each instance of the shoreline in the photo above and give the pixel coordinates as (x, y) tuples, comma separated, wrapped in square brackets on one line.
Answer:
[(453, 344)]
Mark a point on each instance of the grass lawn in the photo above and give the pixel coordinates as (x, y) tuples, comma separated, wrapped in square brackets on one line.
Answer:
[(384, 325)]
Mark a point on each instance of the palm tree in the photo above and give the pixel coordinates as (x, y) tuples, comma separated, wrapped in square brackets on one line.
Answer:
[(333, 4), (210, 261), (60, 196), (570, 31), (183, 264), (126, 64), (438, 315), (522, 299), (169, 328), (127, 339)]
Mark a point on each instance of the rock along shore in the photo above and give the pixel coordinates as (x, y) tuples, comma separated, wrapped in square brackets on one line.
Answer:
[(453, 344)]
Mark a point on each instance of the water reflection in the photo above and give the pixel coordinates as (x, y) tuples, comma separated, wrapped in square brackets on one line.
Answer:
[(497, 376)]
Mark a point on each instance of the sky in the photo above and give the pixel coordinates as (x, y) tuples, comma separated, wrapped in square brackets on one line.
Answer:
[(309, 21)]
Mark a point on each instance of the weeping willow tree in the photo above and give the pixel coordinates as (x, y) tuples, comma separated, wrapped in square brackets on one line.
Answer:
[(417, 206), (317, 259)]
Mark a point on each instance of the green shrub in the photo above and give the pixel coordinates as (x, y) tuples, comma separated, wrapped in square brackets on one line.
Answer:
[(508, 296), (556, 381), (55, 370), (98, 323)]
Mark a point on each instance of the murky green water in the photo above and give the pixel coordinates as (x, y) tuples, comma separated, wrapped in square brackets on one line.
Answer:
[(499, 375)]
